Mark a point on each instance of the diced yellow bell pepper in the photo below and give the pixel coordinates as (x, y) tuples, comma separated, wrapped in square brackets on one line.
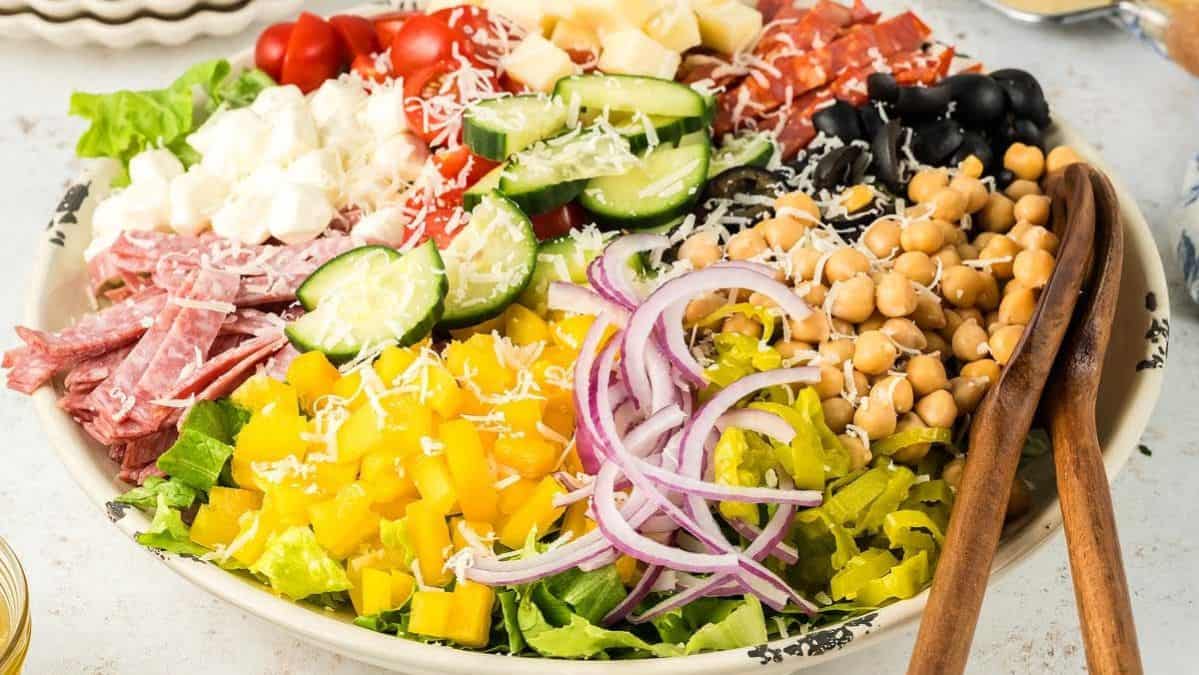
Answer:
[(378, 558), (626, 567), (374, 593), (394, 509), (349, 388), (483, 532), (576, 521), (523, 326), (486, 328), (537, 513), (476, 360), (385, 478), (272, 435), (291, 501), (343, 523), (331, 477), (430, 539), (405, 422), (531, 456), (393, 362), (431, 473), (559, 413), (216, 523), (312, 376), (473, 480), (515, 495), (441, 391), (432, 612), (571, 331), (243, 473), (571, 462), (522, 414), (402, 585), (472, 614), (256, 529), (262, 392)]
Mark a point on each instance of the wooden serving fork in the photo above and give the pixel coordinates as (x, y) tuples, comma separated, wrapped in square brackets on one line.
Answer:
[(996, 438)]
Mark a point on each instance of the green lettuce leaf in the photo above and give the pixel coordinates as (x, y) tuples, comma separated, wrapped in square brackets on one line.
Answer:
[(296, 565), (240, 91), (145, 496), (591, 594), (509, 607), (579, 638), (205, 444), (672, 627), (392, 621), (742, 627), (394, 535), (168, 532)]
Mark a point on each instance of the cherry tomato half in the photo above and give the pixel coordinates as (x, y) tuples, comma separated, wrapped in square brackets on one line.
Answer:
[(356, 35), (439, 124), (271, 48), (559, 221), (388, 24), (423, 41), (491, 36), (438, 222), (367, 67), (313, 53), (462, 165)]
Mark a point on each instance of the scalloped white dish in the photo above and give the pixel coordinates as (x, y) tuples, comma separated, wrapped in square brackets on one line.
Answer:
[(111, 9)]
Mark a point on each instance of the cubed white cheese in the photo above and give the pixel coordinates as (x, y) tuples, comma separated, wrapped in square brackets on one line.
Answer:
[(400, 157), (728, 27), (231, 142), (299, 213), (321, 168), (335, 107), (674, 26), (108, 221), (610, 16), (632, 52), (273, 99), (384, 111), (154, 167), (194, 197), (388, 226), (244, 218), (577, 36), (538, 63), (146, 207), (534, 16), (292, 133)]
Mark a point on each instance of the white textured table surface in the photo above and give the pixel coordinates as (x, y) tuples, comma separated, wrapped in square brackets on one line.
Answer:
[(101, 605)]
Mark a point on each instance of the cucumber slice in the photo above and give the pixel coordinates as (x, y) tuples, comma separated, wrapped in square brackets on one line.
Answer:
[(370, 305), (632, 93), (754, 149), (489, 262), (667, 183), (359, 263), (664, 130), (552, 172), (476, 193), (563, 258), (499, 127)]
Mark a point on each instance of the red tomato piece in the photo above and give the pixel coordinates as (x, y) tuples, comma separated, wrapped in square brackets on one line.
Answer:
[(559, 221), (440, 123), (356, 35), (422, 42), (492, 36), (271, 48), (462, 166), (367, 67), (313, 54), (388, 24), (442, 225)]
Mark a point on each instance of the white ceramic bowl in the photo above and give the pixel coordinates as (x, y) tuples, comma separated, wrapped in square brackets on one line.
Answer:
[(1131, 385)]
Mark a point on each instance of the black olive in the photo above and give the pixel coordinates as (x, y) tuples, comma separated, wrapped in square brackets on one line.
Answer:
[(882, 87), (741, 180), (852, 226), (842, 166), (839, 119), (1024, 95), (871, 119), (936, 141), (885, 149), (1027, 132), (923, 101), (974, 143), (1004, 178), (979, 99)]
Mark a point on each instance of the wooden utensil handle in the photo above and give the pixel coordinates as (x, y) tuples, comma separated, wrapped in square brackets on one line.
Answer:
[(1182, 37), (1100, 587)]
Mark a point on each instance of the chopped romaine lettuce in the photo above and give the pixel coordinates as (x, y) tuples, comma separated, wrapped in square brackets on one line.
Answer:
[(145, 496), (591, 594), (742, 627), (168, 532), (205, 444), (509, 604), (394, 535), (295, 565), (579, 638)]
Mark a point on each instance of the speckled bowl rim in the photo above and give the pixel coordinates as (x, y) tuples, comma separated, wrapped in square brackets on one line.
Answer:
[(90, 467)]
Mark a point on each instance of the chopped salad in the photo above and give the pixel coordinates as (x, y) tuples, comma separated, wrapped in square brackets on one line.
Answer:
[(588, 329)]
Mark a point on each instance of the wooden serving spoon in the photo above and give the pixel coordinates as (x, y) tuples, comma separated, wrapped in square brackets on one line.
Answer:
[(1100, 586), (996, 438)]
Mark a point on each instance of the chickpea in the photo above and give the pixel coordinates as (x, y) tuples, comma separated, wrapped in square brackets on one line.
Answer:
[(967, 251), (997, 249), (745, 244), (861, 383), (1039, 238), (971, 314), (973, 189), (953, 321), (904, 333), (970, 342), (701, 249), (853, 299), (972, 166), (838, 413), (788, 349), (1061, 157), (926, 374), (836, 352), (1033, 209), (739, 323), (1018, 231), (1026, 161), (937, 345), (953, 234), (915, 452), (948, 204), (998, 214), (832, 382), (760, 300), (992, 321), (895, 296), (1018, 189), (927, 183), (967, 392), (1019, 500), (987, 369), (938, 409), (841, 327), (703, 306), (895, 391), (882, 237), (984, 238), (798, 205), (813, 328), (949, 257), (988, 294), (960, 285), (876, 419), (952, 473), (845, 263), (874, 353), (803, 263), (1033, 267), (916, 266), (781, 233), (1003, 342), (929, 314), (859, 455), (924, 236), (1014, 286), (1017, 307)]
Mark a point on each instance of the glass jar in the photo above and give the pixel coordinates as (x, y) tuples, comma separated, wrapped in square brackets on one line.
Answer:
[(14, 612)]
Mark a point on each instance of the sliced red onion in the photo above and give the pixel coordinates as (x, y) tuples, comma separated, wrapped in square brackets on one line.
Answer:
[(576, 495), (684, 597), (635, 596), (645, 435), (615, 261), (758, 421), (607, 558), (598, 278), (728, 493), (568, 297), (784, 552)]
